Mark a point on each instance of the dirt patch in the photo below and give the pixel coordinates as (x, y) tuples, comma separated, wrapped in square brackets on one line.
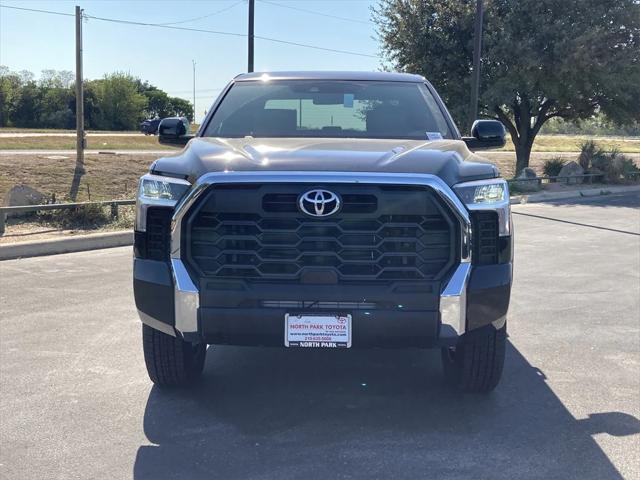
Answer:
[(105, 177)]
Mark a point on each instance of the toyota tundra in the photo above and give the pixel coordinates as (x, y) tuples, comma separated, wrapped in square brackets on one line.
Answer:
[(325, 210)]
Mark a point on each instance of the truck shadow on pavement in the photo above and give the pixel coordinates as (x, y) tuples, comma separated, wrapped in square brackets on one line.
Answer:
[(275, 413)]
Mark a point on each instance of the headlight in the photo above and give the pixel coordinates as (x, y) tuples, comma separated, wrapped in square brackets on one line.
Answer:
[(156, 190), (490, 194), (155, 187)]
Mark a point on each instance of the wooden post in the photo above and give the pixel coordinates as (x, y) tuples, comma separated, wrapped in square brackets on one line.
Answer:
[(79, 90)]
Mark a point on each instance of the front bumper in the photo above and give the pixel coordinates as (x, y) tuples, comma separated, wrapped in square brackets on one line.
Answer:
[(475, 296)]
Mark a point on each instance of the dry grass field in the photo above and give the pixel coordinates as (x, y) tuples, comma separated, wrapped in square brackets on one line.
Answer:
[(106, 177), (571, 143), (135, 141), (116, 142)]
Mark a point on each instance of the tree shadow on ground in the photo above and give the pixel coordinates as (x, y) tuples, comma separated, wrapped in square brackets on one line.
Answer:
[(277, 413)]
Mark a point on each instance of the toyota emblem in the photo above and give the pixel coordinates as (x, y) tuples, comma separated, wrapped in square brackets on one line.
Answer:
[(319, 203)]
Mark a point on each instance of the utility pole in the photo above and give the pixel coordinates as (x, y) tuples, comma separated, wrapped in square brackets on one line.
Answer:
[(194, 90), (477, 54), (250, 37), (79, 91)]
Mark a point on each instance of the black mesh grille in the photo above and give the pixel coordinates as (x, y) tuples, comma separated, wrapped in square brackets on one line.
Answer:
[(158, 235), (485, 234), (263, 236)]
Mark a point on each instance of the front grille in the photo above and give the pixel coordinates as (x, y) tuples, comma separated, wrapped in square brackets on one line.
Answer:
[(485, 234), (381, 234)]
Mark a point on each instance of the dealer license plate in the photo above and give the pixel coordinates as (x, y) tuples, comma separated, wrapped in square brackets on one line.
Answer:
[(317, 331)]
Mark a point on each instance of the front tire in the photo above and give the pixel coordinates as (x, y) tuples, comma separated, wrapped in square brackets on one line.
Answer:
[(170, 360), (475, 364)]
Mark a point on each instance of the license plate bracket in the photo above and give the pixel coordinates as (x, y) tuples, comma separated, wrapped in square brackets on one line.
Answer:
[(320, 330)]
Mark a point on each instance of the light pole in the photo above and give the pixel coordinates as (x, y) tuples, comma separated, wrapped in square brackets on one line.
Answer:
[(477, 54), (194, 90), (250, 37)]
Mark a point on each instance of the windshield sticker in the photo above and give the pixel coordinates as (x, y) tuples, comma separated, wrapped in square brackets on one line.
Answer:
[(434, 136), (348, 100)]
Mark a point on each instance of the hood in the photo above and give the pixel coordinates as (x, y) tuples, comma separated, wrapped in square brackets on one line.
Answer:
[(448, 159)]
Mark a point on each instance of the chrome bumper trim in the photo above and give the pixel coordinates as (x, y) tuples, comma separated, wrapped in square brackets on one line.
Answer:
[(453, 300), (187, 298), (157, 324)]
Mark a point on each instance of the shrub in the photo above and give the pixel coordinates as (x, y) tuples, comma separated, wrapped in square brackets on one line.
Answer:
[(601, 162), (614, 165), (589, 150), (86, 217), (629, 166), (553, 166)]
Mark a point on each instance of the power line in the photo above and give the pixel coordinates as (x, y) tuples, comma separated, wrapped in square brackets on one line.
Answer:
[(39, 11), (204, 16), (243, 35), (171, 27), (335, 50), (313, 12), (200, 30)]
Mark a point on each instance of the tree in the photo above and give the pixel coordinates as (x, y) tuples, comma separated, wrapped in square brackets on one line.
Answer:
[(541, 58), (57, 99), (181, 108), (56, 78), (10, 85), (26, 108), (121, 104), (160, 105), (116, 102)]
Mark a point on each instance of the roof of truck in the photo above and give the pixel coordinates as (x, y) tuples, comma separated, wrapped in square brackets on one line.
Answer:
[(319, 75)]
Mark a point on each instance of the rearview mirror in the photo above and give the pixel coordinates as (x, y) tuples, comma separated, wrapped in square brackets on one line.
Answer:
[(486, 134), (174, 131)]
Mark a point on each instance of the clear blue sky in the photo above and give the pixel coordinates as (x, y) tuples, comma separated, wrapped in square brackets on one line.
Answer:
[(35, 41)]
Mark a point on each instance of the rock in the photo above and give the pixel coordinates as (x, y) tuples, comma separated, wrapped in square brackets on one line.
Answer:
[(571, 169), (529, 181), (23, 195)]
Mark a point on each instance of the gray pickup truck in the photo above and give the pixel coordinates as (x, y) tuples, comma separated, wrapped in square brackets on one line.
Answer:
[(325, 210)]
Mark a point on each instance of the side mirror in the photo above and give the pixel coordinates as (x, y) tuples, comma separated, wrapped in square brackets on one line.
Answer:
[(174, 131), (486, 134)]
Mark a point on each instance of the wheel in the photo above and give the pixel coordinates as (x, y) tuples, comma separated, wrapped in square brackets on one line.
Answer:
[(170, 360), (475, 364)]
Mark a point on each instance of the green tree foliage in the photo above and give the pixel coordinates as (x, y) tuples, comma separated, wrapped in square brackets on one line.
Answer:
[(10, 85), (122, 105), (162, 105), (541, 59), (182, 108), (118, 101)]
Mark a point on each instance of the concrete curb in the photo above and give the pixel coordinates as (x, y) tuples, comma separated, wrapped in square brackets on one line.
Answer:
[(95, 241), (587, 192), (78, 243)]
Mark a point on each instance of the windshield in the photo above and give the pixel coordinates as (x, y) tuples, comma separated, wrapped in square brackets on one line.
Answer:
[(309, 108)]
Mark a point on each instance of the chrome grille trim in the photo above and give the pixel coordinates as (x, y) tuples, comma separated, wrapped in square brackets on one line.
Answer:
[(453, 308)]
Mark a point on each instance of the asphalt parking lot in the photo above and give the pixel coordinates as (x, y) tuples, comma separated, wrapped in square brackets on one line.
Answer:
[(75, 401)]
